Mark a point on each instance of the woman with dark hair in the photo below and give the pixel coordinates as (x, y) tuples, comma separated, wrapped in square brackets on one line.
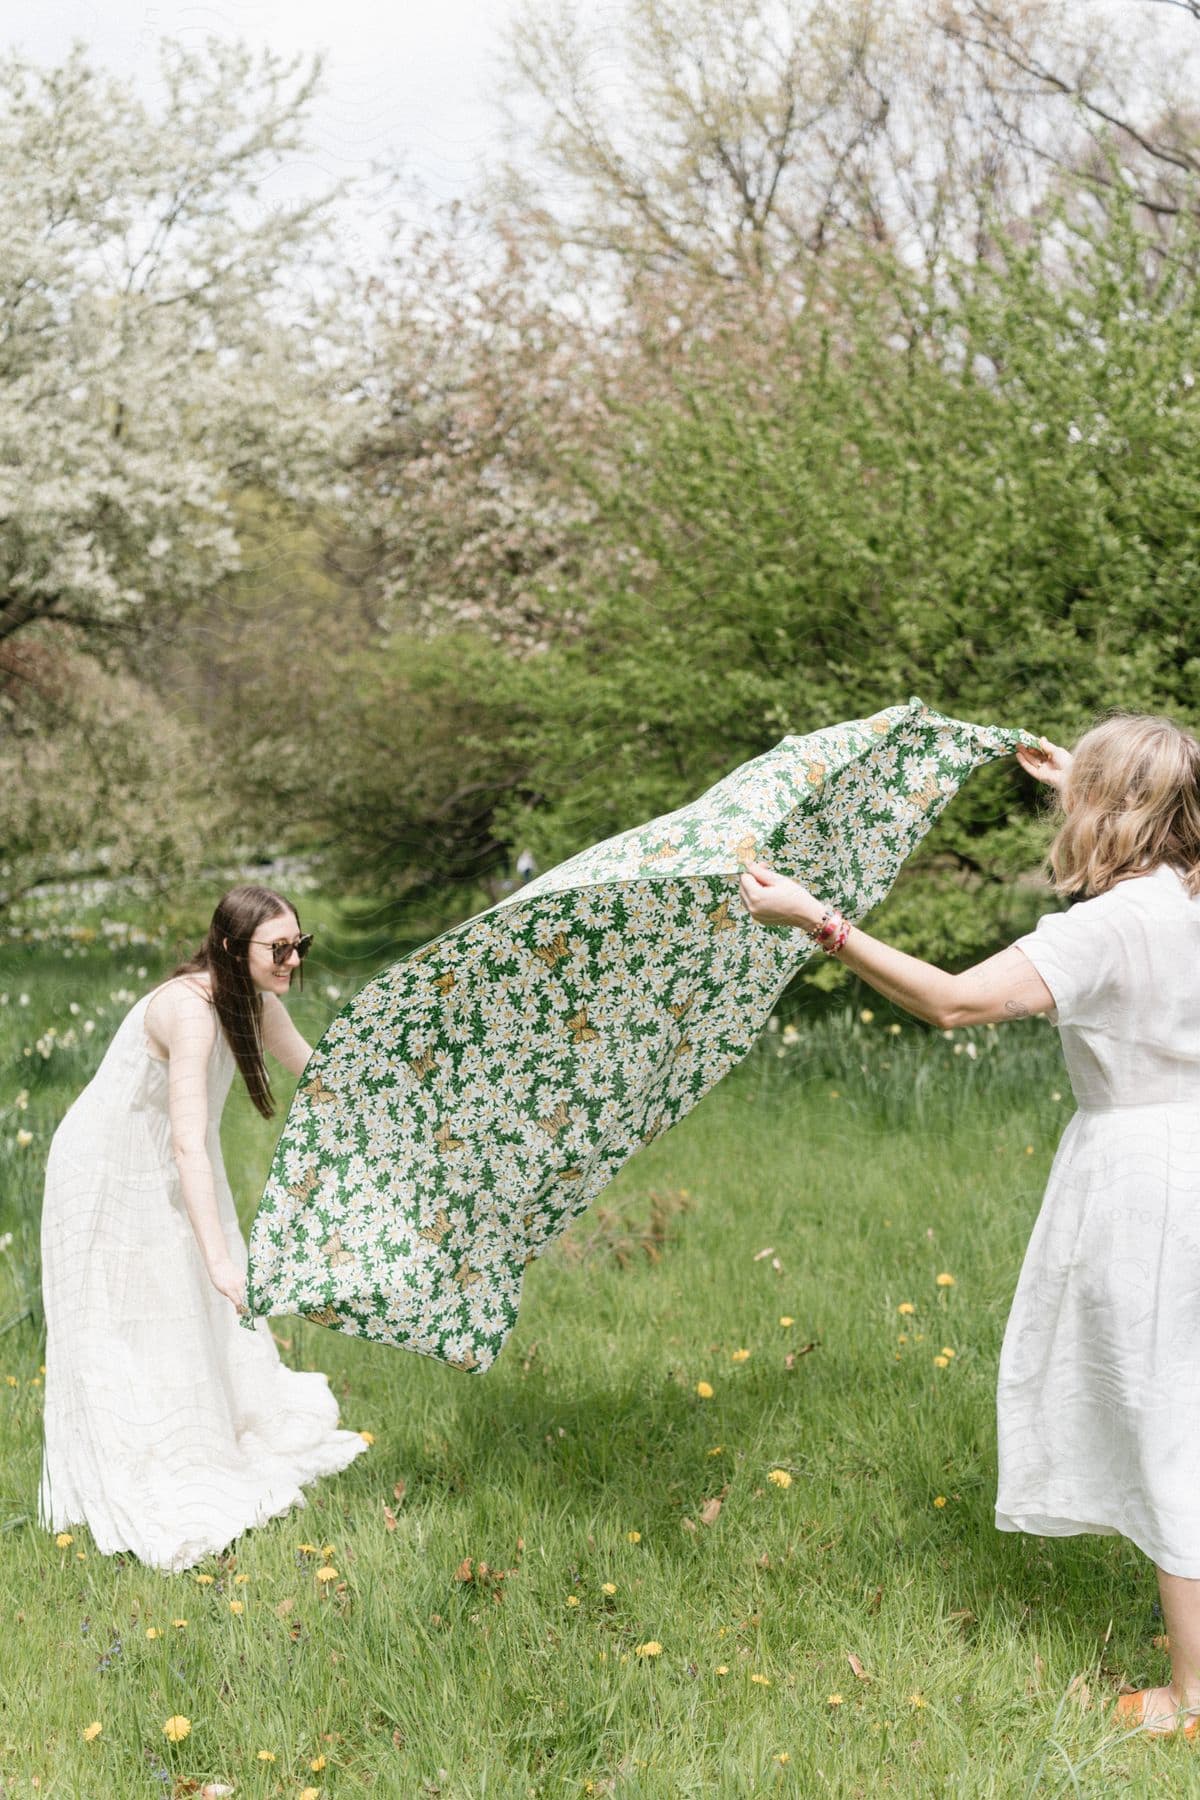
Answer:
[(170, 1427), (1099, 1381)]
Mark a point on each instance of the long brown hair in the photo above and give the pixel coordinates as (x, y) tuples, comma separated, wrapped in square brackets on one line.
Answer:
[(1132, 801), (237, 1001)]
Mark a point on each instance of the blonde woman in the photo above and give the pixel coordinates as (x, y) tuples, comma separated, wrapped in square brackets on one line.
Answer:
[(1098, 1404)]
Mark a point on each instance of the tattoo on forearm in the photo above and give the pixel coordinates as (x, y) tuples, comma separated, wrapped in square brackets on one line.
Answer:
[(1017, 1009)]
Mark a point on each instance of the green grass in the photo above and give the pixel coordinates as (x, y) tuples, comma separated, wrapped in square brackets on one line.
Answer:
[(828, 1181)]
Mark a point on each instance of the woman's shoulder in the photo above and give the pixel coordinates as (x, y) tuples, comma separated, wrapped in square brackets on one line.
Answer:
[(184, 989), (181, 999)]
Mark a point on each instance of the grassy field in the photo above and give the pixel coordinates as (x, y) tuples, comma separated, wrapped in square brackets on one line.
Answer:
[(718, 1523)]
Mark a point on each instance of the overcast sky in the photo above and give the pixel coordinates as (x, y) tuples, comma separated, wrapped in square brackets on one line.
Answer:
[(407, 81)]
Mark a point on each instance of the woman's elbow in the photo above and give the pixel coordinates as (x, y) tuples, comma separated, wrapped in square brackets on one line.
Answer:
[(189, 1150), (949, 1011)]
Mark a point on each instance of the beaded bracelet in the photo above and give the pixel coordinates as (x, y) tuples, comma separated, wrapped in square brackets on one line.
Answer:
[(832, 931)]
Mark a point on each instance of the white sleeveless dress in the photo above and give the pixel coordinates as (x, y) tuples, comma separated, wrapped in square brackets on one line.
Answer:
[(1098, 1401), (169, 1426)]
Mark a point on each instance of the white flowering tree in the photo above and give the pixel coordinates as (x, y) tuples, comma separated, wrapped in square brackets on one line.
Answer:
[(163, 340), (169, 346)]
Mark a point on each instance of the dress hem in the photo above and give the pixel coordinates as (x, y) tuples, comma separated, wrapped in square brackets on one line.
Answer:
[(186, 1555), (1047, 1525)]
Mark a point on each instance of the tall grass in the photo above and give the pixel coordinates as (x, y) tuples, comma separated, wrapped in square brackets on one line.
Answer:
[(811, 1546)]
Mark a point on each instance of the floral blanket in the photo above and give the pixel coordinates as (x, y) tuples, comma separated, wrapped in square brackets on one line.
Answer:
[(474, 1098)]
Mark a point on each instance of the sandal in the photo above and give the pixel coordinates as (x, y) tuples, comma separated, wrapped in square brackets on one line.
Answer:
[(1129, 1711)]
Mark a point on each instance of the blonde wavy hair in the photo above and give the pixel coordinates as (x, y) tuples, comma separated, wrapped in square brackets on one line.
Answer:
[(1132, 801)]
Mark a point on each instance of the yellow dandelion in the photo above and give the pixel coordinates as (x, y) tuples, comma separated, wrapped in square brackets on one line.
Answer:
[(903, 1338), (307, 1549), (63, 1539), (236, 1606), (946, 1350), (740, 1356), (941, 1362), (328, 1573), (240, 1580), (177, 1728), (152, 1631), (906, 1307), (633, 1537), (704, 1389), (783, 1757), (368, 1437), (11, 1380), (786, 1321), (723, 1669), (310, 1793), (317, 1764), (780, 1477), (917, 1700), (179, 1624), (608, 1587), (92, 1731), (81, 1556), (203, 1580), (940, 1500), (717, 1450), (572, 1599), (266, 1756), (835, 1700), (328, 1550), (866, 1015), (945, 1280), (761, 1680), (24, 1139), (651, 1648), (893, 1031)]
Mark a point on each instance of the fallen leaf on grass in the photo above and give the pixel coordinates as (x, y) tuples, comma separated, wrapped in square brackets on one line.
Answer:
[(399, 1491), (1079, 1691), (463, 1571), (769, 1251), (710, 1512), (688, 1524), (857, 1666), (876, 1600), (284, 1608), (389, 1518)]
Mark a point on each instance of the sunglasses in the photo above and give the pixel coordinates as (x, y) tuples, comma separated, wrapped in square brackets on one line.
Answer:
[(282, 948)]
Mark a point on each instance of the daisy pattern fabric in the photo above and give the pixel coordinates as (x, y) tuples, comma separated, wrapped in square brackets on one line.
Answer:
[(474, 1098)]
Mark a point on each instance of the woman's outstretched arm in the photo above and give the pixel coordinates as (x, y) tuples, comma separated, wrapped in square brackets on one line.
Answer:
[(1005, 986)]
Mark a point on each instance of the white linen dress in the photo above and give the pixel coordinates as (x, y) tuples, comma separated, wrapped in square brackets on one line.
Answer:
[(169, 1426), (1098, 1402)]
